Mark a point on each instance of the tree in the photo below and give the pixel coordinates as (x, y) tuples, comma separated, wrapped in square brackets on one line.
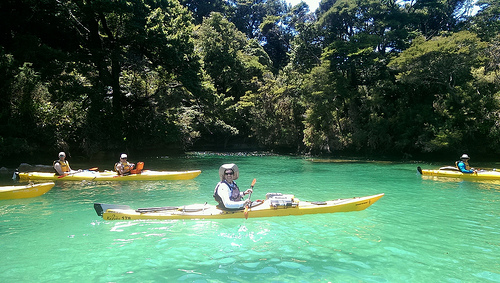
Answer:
[(275, 111), (267, 22), (437, 77), (306, 45), (486, 23), (202, 8), (116, 60), (233, 66)]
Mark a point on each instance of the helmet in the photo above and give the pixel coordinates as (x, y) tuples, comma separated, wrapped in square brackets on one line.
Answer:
[(231, 166), (464, 156), (62, 154), (124, 156)]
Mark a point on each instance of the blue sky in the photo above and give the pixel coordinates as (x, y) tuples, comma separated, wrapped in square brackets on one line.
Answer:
[(313, 4)]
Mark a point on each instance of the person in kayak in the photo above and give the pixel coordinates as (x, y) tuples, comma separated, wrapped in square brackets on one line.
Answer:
[(123, 167), (62, 165), (226, 192), (463, 164)]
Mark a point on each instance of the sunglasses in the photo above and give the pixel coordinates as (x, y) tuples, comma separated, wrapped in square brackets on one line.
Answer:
[(230, 173)]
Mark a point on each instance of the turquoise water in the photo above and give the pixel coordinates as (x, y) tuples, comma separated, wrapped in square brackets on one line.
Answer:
[(422, 230)]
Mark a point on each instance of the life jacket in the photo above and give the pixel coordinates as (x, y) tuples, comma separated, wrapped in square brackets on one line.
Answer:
[(126, 166), (235, 193), (64, 165), (467, 166)]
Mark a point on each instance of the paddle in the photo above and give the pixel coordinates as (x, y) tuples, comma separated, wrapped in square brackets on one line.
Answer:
[(248, 205), (72, 173)]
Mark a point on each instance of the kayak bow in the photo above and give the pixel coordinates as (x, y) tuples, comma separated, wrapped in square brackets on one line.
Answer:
[(25, 191)]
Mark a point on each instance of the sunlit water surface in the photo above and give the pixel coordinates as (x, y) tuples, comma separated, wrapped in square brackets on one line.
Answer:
[(422, 230)]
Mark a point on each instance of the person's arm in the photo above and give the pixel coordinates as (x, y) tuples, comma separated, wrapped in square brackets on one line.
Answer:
[(58, 169), (124, 170), (224, 192), (462, 168), (119, 168)]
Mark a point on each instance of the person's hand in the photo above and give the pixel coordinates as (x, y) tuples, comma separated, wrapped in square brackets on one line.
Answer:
[(248, 203), (248, 191)]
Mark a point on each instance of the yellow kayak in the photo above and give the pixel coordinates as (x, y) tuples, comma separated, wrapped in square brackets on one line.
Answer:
[(450, 172), (274, 205), (25, 191), (146, 175)]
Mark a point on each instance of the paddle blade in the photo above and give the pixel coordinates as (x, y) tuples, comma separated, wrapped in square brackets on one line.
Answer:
[(94, 169), (246, 212), (253, 182)]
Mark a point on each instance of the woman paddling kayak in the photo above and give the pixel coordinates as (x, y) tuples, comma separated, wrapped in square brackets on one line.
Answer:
[(227, 193)]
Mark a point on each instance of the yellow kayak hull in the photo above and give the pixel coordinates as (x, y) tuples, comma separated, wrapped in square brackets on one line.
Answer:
[(266, 209), (480, 175), (25, 191), (147, 175)]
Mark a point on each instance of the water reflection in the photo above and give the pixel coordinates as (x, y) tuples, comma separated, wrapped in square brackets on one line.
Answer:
[(481, 184)]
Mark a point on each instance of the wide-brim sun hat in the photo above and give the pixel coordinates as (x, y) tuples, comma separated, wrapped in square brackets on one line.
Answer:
[(464, 156), (123, 156), (231, 166), (62, 154)]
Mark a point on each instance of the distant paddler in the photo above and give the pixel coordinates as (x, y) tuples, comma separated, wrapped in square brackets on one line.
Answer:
[(62, 165), (463, 164), (123, 167)]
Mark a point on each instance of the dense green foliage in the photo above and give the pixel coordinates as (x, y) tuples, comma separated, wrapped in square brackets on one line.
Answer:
[(355, 76)]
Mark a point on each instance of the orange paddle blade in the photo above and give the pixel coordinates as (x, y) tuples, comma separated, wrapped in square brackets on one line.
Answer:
[(246, 212)]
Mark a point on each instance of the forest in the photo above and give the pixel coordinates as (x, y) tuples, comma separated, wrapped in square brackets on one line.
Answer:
[(360, 77)]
